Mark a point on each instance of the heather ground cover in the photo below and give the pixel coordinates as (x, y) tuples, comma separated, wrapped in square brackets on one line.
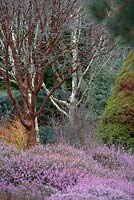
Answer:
[(63, 172)]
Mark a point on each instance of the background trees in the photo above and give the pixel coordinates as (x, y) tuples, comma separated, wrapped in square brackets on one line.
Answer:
[(118, 16), (92, 43), (102, 87), (116, 126)]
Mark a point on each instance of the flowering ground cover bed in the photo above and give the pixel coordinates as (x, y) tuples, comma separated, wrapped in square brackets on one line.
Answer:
[(62, 172)]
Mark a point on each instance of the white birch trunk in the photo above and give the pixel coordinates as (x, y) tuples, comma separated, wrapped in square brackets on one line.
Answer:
[(73, 100), (36, 120), (32, 73), (37, 130)]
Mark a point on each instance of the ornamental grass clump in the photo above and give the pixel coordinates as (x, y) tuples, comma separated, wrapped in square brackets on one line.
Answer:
[(14, 134)]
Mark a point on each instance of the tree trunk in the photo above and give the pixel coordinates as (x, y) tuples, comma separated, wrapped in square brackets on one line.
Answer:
[(72, 99), (37, 131), (72, 113), (77, 124), (31, 136)]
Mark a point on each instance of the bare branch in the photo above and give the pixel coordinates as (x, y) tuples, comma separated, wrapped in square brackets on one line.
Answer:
[(54, 102)]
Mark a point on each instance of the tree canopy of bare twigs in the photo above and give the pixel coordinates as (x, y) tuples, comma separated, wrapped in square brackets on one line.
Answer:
[(29, 33)]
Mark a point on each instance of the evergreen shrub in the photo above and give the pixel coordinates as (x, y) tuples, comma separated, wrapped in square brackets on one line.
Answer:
[(117, 125)]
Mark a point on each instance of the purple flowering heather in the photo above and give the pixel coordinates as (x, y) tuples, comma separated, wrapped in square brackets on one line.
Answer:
[(64, 173), (98, 189)]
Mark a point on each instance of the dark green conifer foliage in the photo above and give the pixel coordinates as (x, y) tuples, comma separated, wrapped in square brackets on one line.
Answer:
[(117, 125), (121, 21), (98, 9)]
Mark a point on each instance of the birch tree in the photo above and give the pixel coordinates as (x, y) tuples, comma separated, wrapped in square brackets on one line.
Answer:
[(95, 42)]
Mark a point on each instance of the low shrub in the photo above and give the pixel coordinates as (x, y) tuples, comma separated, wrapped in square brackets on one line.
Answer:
[(57, 172), (117, 125), (15, 134), (96, 188)]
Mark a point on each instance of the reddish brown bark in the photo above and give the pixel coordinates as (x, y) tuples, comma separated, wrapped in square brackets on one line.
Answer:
[(30, 31), (31, 137)]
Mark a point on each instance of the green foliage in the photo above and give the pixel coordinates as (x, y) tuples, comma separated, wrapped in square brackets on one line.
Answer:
[(5, 105), (101, 90), (119, 1), (98, 9), (48, 111), (121, 23), (7, 109), (2, 86), (117, 124), (103, 85), (49, 77), (46, 135)]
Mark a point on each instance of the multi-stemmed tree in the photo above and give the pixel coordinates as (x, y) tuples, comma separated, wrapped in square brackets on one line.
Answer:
[(30, 32), (91, 42)]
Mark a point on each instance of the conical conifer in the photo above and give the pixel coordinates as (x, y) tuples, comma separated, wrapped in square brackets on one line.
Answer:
[(117, 125)]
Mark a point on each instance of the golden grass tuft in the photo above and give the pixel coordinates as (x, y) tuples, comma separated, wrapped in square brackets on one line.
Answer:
[(14, 133)]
